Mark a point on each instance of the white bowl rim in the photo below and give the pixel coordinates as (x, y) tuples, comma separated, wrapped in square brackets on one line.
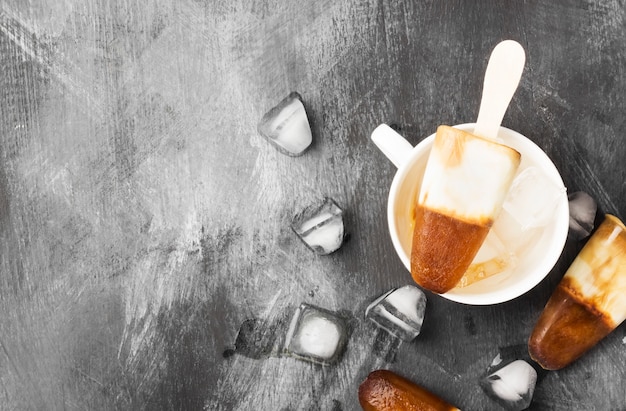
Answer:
[(528, 282)]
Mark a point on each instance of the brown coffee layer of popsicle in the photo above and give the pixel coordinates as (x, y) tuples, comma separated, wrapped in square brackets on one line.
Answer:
[(443, 249), (384, 390)]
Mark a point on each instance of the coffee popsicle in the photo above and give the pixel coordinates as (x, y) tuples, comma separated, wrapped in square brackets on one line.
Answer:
[(384, 390), (588, 303), (466, 180), (465, 183)]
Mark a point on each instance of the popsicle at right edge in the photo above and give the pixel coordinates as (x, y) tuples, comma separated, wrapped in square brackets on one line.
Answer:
[(588, 303), (466, 180)]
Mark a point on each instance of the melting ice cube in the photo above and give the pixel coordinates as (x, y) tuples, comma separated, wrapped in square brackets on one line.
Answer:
[(516, 238), (399, 311), (320, 226), (532, 198), (316, 335), (582, 214), (510, 379), (513, 385), (493, 258), (286, 126)]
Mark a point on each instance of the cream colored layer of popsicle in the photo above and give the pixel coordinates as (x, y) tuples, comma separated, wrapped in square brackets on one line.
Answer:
[(467, 177), (598, 274)]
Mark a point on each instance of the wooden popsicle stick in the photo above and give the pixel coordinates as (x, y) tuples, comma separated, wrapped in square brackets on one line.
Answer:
[(502, 77)]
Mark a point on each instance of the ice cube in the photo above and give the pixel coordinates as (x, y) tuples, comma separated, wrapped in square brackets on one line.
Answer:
[(516, 238), (286, 126), (399, 311), (532, 198), (316, 335), (491, 248), (582, 214), (513, 385), (511, 378), (320, 226), (493, 258)]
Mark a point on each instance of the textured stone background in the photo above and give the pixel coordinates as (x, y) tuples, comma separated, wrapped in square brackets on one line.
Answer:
[(143, 219)]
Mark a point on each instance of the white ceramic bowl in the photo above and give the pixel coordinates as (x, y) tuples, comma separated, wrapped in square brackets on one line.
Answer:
[(531, 267)]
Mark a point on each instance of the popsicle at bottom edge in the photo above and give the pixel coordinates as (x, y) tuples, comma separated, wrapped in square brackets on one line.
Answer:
[(384, 390)]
